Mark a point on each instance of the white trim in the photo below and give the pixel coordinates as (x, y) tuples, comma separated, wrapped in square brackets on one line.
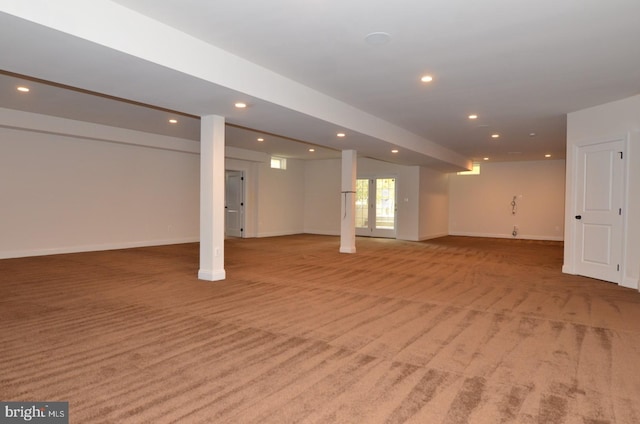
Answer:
[(507, 236), (212, 275), (279, 233), (630, 283), (432, 236), (93, 248), (322, 232)]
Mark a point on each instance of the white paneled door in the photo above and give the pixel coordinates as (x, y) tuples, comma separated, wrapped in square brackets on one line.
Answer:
[(376, 207), (233, 203), (599, 210)]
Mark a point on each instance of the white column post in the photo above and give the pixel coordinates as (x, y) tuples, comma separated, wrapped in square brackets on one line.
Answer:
[(212, 198), (348, 217)]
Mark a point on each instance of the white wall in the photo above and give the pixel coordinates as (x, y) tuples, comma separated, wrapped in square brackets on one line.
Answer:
[(480, 205), (82, 187), (434, 204), (322, 201), (281, 196), (611, 121)]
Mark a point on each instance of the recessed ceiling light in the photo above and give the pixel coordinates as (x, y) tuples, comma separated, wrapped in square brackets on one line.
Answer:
[(532, 134), (341, 135), (426, 78), (173, 121), (495, 135), (394, 151), (377, 38), (312, 150), (240, 105), (261, 139), (547, 156), (485, 158), (23, 89), (473, 116)]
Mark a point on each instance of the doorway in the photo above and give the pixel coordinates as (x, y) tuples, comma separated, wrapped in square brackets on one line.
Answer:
[(599, 210), (233, 203), (376, 207)]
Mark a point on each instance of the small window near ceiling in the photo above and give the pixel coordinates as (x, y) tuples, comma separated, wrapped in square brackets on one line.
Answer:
[(278, 163), (474, 171)]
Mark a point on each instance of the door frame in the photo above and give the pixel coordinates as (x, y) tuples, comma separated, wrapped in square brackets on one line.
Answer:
[(571, 248), (242, 202), (371, 231)]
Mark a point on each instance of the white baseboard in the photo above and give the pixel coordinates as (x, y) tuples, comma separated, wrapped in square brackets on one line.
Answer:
[(322, 232), (508, 236), (279, 233), (212, 275), (94, 247), (630, 283), (432, 236)]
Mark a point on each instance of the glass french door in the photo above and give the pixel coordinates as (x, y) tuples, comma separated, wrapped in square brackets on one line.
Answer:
[(376, 207)]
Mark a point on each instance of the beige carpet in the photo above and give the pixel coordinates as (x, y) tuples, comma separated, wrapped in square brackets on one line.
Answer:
[(454, 330)]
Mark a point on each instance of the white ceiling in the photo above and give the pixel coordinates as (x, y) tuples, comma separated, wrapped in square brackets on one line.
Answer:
[(521, 66)]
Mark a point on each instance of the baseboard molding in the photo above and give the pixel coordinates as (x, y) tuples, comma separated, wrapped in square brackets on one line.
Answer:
[(94, 247), (432, 236), (279, 233), (322, 232), (508, 236), (630, 283), (212, 275)]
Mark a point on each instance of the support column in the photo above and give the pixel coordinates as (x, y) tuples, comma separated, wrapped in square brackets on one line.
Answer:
[(211, 198), (348, 223)]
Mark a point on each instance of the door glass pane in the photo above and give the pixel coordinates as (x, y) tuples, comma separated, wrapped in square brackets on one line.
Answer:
[(385, 203), (362, 203)]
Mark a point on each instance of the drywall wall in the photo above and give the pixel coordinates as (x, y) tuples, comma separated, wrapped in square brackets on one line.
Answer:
[(82, 187), (611, 121), (281, 195), (434, 204), (480, 205), (322, 197)]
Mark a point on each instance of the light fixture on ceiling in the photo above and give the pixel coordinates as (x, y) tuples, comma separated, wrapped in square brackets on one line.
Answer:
[(495, 135), (473, 116), (394, 151), (173, 121), (23, 89), (485, 158), (261, 139), (547, 155), (341, 135), (426, 78), (240, 105), (312, 150), (377, 38), (532, 134)]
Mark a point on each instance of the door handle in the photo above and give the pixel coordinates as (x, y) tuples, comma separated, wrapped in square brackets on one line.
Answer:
[(578, 216)]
